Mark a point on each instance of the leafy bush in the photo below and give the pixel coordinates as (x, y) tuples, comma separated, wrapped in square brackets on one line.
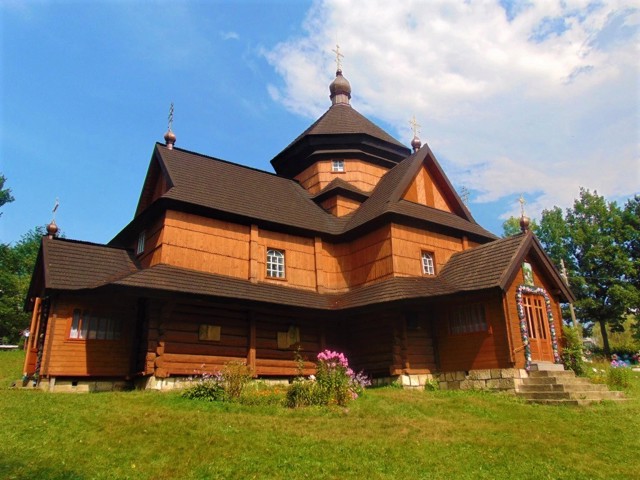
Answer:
[(225, 385), (618, 376), (431, 385), (334, 383), (207, 387), (572, 353)]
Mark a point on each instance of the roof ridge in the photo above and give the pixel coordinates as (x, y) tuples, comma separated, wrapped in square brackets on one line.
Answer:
[(85, 242), (221, 160)]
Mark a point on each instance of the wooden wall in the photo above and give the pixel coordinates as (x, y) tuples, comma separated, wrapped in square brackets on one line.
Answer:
[(365, 260), (358, 173), (205, 244), (425, 191), (175, 348), (388, 343), (408, 243), (512, 306), (340, 206), (99, 358), (480, 350), (299, 252)]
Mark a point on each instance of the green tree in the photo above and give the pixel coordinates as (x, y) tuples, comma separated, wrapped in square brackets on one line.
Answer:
[(5, 193), (16, 267), (593, 240), (511, 227)]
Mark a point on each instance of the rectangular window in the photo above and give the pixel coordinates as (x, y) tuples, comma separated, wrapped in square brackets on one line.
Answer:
[(427, 264), (141, 240), (85, 326), (337, 165), (275, 263), (468, 319)]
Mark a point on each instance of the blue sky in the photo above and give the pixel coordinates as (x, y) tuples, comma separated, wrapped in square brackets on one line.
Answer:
[(513, 97)]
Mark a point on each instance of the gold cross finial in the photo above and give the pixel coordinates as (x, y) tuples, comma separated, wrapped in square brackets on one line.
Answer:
[(522, 202), (415, 126), (55, 207), (170, 116), (339, 57)]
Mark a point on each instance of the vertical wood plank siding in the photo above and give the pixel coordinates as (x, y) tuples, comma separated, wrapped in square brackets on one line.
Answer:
[(409, 243), (362, 175), (425, 191)]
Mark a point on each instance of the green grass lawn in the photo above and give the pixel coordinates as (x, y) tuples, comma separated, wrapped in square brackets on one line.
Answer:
[(387, 433)]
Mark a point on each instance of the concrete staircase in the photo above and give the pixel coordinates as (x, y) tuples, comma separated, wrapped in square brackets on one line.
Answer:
[(550, 384)]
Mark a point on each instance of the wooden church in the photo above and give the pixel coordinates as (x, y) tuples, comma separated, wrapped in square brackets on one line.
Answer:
[(356, 243)]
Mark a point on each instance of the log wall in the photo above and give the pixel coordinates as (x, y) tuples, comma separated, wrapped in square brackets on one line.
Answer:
[(175, 348), (358, 173), (72, 357)]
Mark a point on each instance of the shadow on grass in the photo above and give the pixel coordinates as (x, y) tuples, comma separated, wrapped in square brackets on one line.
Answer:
[(19, 470)]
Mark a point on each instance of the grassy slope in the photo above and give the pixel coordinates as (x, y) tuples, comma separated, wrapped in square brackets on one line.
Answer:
[(388, 433)]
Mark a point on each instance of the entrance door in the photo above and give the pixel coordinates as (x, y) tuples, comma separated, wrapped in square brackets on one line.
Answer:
[(538, 325)]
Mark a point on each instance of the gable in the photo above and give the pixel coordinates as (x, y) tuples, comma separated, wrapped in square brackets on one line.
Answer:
[(156, 184), (425, 190)]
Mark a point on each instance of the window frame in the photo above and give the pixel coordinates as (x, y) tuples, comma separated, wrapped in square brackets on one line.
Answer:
[(86, 326), (275, 270), (466, 324), (142, 238), (337, 166), (432, 258)]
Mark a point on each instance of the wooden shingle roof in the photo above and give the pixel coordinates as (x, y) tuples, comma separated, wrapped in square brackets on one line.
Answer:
[(71, 265)]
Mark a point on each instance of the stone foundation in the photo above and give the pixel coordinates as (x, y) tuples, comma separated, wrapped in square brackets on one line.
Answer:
[(504, 379), (67, 385)]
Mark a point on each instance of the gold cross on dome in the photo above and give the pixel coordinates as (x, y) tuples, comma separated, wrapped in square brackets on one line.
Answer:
[(415, 126), (55, 207), (339, 57), (170, 118), (522, 202)]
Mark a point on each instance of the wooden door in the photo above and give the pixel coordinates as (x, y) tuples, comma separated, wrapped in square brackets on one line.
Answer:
[(538, 325)]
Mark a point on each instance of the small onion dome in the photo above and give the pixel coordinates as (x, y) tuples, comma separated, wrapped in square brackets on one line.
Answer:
[(52, 229), (170, 139), (340, 89), (416, 144), (524, 223)]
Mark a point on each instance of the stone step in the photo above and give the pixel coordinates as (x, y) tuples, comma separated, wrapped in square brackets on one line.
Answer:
[(579, 395), (573, 402), (546, 366), (551, 373), (556, 380), (563, 387)]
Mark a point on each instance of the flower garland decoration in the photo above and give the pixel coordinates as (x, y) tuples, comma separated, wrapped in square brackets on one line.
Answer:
[(524, 329)]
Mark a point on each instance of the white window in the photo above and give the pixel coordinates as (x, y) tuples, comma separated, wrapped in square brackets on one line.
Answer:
[(141, 240), (337, 165), (427, 264), (275, 263), (85, 326)]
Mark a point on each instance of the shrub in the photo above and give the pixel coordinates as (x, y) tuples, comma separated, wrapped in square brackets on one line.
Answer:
[(334, 383), (618, 376), (235, 376), (431, 385), (572, 353), (207, 387), (225, 385)]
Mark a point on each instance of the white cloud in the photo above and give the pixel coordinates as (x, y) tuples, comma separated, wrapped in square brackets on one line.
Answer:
[(541, 100), (229, 36)]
